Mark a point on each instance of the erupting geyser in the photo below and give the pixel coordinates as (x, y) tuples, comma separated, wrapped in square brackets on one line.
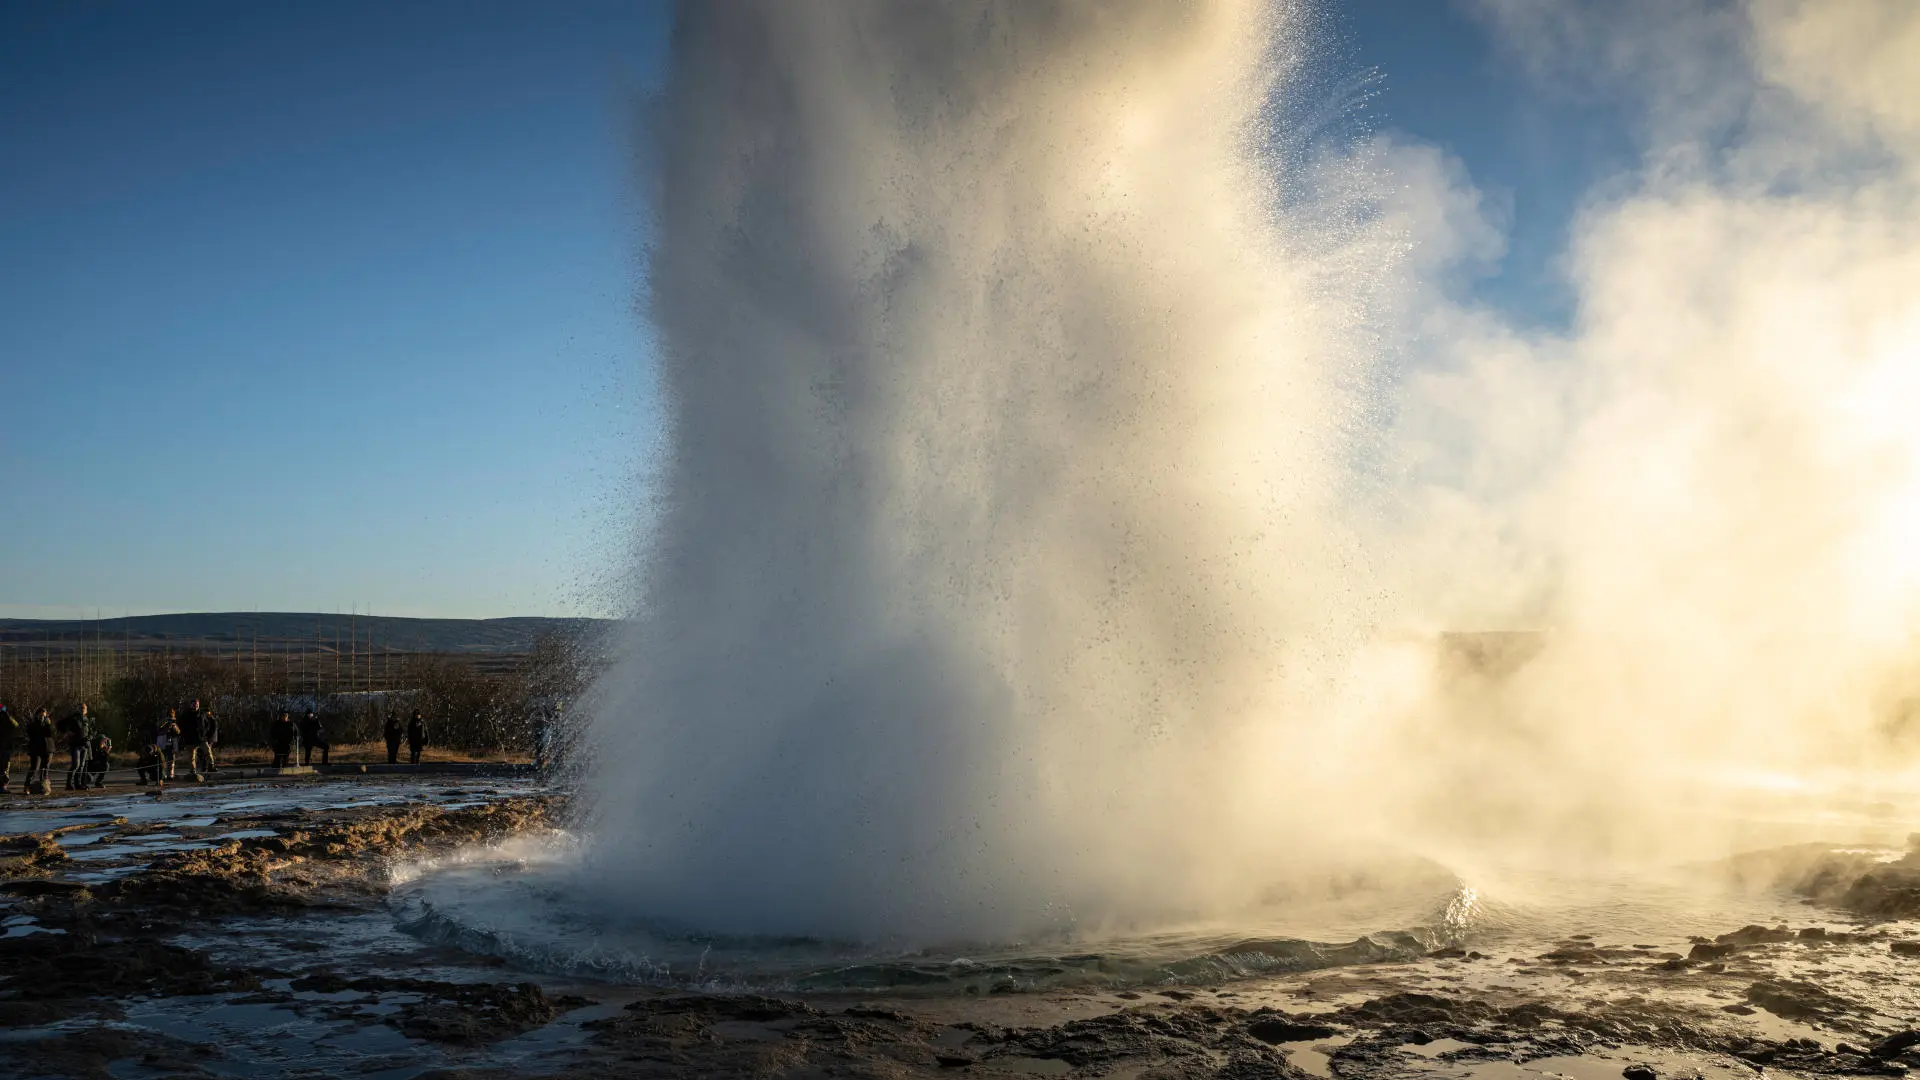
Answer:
[(997, 528), (1071, 462)]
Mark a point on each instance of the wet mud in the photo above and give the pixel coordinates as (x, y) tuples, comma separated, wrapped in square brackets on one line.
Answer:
[(255, 940)]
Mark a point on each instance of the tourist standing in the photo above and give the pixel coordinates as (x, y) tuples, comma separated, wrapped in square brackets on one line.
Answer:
[(280, 737), (416, 737), (166, 736), (193, 739), (9, 727), (313, 737), (546, 737), (76, 733), (210, 737), (189, 722), (40, 740), (394, 730)]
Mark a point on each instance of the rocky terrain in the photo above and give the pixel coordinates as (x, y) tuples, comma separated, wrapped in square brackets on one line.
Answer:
[(256, 942)]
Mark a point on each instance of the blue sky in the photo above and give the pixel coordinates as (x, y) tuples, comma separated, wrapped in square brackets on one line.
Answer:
[(330, 306)]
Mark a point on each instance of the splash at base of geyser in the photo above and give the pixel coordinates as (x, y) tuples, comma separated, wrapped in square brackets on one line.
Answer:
[(526, 903)]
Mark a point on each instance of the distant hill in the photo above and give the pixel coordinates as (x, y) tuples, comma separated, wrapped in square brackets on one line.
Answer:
[(385, 632)]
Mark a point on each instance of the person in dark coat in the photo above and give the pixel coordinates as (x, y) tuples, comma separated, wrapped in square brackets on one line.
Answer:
[(99, 759), (190, 738), (313, 737), (280, 737), (193, 739), (394, 730), (76, 735), (416, 737), (9, 729), (41, 736)]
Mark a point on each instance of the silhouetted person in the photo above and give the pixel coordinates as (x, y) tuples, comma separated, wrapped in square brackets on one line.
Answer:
[(542, 740), (76, 733), (210, 737), (166, 735), (394, 730), (280, 735), (313, 737), (190, 738), (193, 740), (9, 730), (99, 758), (40, 739), (416, 737)]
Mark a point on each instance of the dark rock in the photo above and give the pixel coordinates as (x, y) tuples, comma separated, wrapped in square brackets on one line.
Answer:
[(1282, 1028), (1894, 1045), (1904, 948), (55, 967), (1639, 1072), (1755, 935), (1797, 1000), (1885, 893)]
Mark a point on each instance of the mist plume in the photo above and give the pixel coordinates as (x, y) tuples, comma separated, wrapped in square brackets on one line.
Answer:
[(1071, 467)]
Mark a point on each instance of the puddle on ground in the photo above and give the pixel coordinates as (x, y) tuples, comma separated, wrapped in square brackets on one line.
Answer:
[(141, 847), (1314, 1056), (1437, 1048), (83, 837)]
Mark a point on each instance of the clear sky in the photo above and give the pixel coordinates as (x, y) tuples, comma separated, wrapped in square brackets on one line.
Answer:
[(330, 305)]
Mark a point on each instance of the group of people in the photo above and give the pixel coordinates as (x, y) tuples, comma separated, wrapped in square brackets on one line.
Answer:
[(88, 749), (290, 739), (193, 733)]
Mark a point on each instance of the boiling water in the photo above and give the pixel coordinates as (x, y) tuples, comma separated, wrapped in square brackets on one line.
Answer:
[(523, 902)]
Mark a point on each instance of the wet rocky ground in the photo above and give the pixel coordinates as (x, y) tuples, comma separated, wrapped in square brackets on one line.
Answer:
[(244, 931)]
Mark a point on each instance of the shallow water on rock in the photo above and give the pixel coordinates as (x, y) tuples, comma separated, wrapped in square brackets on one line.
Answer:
[(520, 901)]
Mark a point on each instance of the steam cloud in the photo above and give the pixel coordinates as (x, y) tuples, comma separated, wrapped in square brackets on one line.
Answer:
[(1071, 464)]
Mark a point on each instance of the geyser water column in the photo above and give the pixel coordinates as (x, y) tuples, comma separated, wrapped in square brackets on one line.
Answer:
[(996, 543)]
